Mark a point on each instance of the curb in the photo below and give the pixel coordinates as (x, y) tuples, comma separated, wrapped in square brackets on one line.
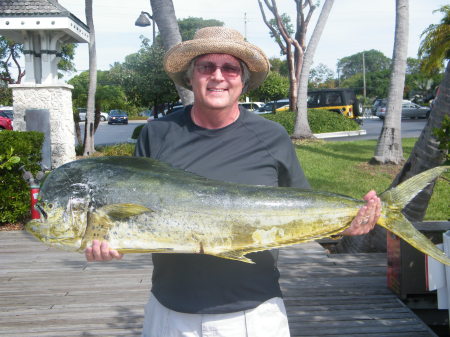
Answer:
[(340, 134)]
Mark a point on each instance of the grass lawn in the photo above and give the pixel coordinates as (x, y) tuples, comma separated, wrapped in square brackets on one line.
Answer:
[(341, 167)]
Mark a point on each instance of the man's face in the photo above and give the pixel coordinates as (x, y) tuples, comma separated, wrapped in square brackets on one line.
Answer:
[(216, 81)]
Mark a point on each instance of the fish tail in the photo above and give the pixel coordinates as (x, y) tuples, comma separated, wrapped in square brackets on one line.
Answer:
[(395, 199)]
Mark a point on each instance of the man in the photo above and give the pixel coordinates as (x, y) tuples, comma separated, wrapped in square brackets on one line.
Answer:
[(202, 295)]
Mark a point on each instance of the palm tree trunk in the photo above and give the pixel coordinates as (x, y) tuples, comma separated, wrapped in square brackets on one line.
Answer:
[(426, 153), (90, 113), (164, 15), (301, 128), (389, 147)]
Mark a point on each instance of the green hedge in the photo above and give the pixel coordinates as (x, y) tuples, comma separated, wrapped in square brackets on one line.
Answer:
[(320, 121), (14, 191)]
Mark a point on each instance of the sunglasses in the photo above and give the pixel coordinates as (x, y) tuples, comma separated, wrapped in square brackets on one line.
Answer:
[(209, 68)]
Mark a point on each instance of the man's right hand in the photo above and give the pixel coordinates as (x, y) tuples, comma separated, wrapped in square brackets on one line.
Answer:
[(100, 251)]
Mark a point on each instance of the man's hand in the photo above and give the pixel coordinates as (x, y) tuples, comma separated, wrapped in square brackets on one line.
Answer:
[(100, 251), (367, 216)]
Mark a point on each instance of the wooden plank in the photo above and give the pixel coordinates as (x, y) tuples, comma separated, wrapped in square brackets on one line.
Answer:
[(45, 292)]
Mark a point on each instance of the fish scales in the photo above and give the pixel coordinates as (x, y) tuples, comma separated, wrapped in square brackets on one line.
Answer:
[(143, 205)]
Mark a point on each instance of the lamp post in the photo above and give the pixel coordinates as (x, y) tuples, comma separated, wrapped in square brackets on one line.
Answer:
[(143, 21)]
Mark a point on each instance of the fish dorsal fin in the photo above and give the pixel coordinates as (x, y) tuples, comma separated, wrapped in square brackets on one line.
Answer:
[(123, 211)]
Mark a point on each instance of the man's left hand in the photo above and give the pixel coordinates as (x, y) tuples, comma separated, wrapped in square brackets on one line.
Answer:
[(367, 216)]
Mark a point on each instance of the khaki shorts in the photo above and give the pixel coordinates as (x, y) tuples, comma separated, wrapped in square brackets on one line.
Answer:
[(267, 320)]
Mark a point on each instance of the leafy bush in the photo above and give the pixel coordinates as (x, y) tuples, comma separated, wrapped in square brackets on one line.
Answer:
[(320, 121), (14, 191)]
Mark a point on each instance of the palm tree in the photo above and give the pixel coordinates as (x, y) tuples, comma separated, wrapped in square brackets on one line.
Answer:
[(435, 47), (389, 147), (164, 15), (302, 129), (90, 113)]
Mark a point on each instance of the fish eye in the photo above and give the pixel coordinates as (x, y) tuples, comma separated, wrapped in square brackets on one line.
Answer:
[(50, 206)]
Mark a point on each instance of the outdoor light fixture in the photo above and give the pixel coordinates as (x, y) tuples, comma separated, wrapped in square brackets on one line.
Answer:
[(143, 21)]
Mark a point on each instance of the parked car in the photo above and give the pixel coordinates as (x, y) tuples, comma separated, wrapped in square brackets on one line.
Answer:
[(252, 106), (118, 117), (340, 100), (409, 110), (7, 111), (5, 122), (413, 110), (82, 114), (273, 105)]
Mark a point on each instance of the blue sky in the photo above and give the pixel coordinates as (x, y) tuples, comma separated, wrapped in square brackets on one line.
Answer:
[(353, 26)]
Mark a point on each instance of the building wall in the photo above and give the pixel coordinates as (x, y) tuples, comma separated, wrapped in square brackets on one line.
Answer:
[(58, 100)]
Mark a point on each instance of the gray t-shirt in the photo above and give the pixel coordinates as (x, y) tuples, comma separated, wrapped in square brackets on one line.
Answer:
[(252, 150)]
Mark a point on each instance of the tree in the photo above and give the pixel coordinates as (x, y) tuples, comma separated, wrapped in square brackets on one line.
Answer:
[(89, 129), (320, 76), (190, 25), (275, 87), (389, 145), (435, 47), (10, 53), (427, 153), (351, 65), (279, 66), (164, 15), (292, 47), (143, 78), (301, 128)]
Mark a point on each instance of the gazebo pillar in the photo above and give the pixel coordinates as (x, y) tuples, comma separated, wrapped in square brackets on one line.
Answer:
[(43, 28)]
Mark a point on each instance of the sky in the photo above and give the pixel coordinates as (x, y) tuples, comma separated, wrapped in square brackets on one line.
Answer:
[(353, 26)]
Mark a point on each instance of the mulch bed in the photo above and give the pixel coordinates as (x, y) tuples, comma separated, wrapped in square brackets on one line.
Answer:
[(12, 227)]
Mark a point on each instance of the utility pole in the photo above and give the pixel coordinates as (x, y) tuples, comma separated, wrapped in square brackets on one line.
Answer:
[(364, 76), (245, 26)]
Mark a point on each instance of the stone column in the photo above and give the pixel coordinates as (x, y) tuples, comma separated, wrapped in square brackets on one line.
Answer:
[(58, 100)]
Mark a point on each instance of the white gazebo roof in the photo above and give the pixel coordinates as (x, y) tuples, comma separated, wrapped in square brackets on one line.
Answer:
[(19, 16)]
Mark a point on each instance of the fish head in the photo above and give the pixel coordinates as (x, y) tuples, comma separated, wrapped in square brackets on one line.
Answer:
[(63, 220)]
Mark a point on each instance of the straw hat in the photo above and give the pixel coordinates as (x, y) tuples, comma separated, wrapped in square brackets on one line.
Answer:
[(216, 40)]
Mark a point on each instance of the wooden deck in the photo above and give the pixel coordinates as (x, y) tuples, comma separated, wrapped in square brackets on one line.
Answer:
[(47, 292)]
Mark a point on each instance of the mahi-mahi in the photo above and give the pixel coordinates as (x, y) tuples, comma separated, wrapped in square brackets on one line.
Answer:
[(143, 205)]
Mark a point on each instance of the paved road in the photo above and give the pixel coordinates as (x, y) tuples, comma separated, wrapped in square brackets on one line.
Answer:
[(411, 128), (118, 133)]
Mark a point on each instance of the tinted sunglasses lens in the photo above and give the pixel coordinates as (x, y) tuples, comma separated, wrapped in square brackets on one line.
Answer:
[(227, 70), (230, 70)]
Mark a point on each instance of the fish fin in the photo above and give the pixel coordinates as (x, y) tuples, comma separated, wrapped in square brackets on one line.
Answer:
[(400, 226), (136, 250), (123, 211), (403, 193), (234, 255), (392, 219)]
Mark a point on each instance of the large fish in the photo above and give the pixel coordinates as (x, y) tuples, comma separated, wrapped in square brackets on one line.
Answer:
[(143, 205)]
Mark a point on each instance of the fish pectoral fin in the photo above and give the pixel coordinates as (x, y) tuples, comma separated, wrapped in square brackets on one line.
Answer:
[(123, 211), (234, 255), (136, 250)]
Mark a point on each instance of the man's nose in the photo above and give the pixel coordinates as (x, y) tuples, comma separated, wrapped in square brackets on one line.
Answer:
[(217, 74)]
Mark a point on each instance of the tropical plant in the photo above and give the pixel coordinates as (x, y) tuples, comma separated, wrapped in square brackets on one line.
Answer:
[(389, 146), (89, 129), (435, 47), (164, 15)]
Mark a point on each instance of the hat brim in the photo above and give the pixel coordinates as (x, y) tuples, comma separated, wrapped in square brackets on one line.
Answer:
[(178, 58)]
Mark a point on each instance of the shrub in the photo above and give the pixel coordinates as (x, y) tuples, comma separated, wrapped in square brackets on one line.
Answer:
[(14, 191), (320, 121)]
